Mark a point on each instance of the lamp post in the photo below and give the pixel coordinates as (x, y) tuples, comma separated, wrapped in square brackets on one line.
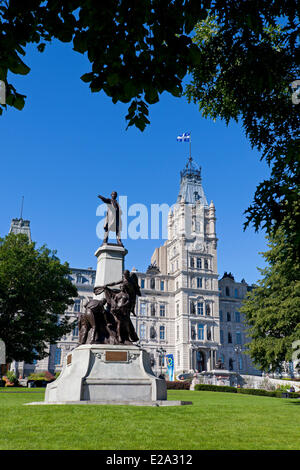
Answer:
[(238, 350), (161, 352)]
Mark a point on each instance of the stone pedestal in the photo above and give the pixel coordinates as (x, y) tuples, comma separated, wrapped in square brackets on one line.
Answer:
[(99, 373), (110, 264)]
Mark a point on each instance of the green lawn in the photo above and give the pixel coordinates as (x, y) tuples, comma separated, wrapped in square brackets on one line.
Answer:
[(214, 421)]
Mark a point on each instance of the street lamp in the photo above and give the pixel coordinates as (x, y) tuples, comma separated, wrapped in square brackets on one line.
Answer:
[(161, 352), (238, 350)]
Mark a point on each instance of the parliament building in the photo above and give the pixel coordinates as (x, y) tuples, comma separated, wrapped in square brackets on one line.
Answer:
[(184, 309)]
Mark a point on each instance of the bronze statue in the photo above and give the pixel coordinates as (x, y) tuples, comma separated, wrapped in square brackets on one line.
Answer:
[(131, 286), (113, 217), (119, 303), (219, 364), (91, 324)]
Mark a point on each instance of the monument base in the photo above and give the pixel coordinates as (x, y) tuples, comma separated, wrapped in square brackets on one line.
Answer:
[(100, 373)]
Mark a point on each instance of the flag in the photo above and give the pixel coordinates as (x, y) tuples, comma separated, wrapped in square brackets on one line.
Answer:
[(170, 366), (185, 137)]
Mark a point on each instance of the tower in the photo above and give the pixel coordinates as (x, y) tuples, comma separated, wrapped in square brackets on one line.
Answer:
[(20, 225), (189, 257)]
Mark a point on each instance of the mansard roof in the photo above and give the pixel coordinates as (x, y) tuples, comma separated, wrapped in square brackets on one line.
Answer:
[(191, 190)]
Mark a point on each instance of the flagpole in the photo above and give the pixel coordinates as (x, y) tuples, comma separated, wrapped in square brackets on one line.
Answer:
[(190, 144)]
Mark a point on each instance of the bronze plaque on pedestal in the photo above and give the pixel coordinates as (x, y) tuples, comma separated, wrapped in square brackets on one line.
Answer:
[(116, 356)]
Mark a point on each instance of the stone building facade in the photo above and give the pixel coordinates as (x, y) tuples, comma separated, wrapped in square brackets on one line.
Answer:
[(184, 309)]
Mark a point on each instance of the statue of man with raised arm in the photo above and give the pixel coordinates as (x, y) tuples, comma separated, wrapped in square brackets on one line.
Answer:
[(113, 217)]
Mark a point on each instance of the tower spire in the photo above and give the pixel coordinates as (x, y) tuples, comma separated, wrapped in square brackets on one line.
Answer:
[(22, 205)]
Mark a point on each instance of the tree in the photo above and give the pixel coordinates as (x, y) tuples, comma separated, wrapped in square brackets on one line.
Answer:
[(272, 309), (245, 74), (34, 294), (137, 48)]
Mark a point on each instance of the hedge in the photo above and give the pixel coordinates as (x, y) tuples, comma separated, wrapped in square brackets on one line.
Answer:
[(178, 385), (215, 388), (246, 391)]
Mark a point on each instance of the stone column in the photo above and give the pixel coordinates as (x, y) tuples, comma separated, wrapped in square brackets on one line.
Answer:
[(110, 265)]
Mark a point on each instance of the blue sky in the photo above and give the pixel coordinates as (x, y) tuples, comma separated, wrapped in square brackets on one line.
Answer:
[(68, 145)]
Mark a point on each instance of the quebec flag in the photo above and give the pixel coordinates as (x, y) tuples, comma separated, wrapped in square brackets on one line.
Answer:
[(185, 137)]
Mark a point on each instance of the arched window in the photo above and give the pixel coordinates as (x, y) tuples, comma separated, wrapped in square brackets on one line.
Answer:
[(161, 332), (142, 331)]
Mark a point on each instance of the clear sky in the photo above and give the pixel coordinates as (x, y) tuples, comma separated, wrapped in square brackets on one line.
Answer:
[(68, 145)]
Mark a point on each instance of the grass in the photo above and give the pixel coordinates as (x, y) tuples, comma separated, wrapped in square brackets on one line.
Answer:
[(215, 421)]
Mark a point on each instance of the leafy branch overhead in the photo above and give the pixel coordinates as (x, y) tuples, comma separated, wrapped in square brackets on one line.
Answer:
[(137, 48)]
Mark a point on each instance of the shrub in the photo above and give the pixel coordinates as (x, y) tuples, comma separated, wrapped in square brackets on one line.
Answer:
[(2, 383), (10, 379), (176, 385), (215, 388), (41, 376)]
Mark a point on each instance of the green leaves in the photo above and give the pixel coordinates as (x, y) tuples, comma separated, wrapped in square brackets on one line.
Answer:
[(34, 292), (272, 309)]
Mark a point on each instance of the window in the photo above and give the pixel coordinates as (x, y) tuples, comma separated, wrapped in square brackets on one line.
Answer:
[(199, 282), (142, 283), (75, 331), (191, 262), (142, 308), (200, 332), (177, 308), (237, 317), (199, 308), (162, 285), (208, 334), (227, 292), (161, 332), (79, 278), (57, 357), (221, 336), (199, 263), (228, 316), (77, 305), (178, 358), (162, 310), (229, 337), (230, 363), (192, 308), (177, 331), (207, 309), (236, 293), (240, 363), (205, 264), (142, 331), (152, 283), (238, 337), (221, 315)]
